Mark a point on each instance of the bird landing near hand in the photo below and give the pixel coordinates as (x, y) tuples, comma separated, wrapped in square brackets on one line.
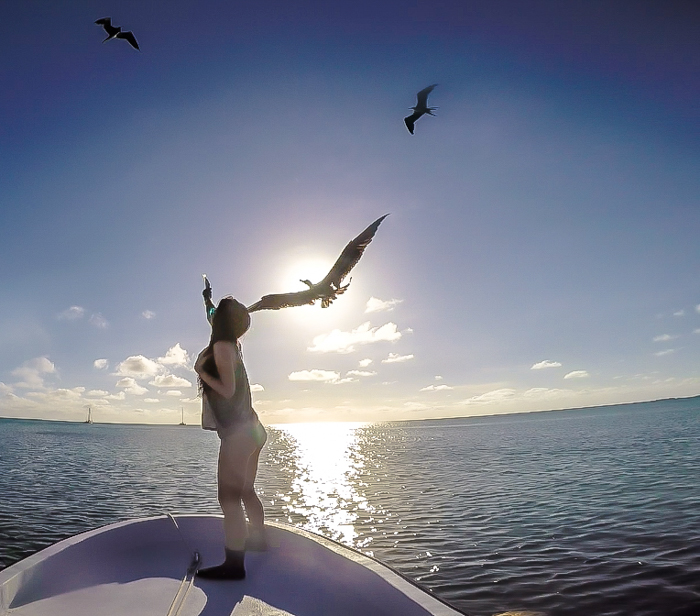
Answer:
[(331, 286), (420, 109), (116, 32)]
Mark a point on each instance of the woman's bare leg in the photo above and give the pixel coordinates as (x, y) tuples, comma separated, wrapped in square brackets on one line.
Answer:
[(234, 455), (251, 501)]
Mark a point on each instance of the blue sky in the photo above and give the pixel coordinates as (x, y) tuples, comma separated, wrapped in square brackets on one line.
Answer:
[(541, 250)]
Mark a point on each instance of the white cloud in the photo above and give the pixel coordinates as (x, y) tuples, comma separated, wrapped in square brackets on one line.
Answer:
[(664, 338), (72, 314), (577, 374), (364, 363), (100, 364), (666, 352), (545, 393), (395, 358), (130, 386), (435, 388), (164, 381), (148, 314), (151, 400), (139, 367), (5, 389), (360, 373), (173, 392), (96, 393), (545, 364), (697, 308), (438, 377), (31, 372), (176, 356), (256, 387), (696, 331), (378, 305), (492, 397), (345, 342), (679, 313), (324, 376), (98, 321), (58, 395)]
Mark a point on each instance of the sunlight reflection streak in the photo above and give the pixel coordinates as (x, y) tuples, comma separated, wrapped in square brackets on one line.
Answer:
[(325, 496)]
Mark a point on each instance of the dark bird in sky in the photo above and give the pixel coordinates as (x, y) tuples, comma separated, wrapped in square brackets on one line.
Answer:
[(116, 32), (420, 109), (331, 286)]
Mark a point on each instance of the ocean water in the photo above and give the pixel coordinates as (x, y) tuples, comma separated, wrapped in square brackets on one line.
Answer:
[(583, 512)]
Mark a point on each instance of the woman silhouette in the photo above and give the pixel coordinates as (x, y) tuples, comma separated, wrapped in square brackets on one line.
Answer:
[(226, 399)]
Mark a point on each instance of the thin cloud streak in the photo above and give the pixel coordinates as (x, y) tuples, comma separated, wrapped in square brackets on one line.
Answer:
[(395, 358), (577, 374), (542, 365)]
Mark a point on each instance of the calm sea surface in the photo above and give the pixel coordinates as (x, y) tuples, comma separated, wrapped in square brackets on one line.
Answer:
[(587, 512)]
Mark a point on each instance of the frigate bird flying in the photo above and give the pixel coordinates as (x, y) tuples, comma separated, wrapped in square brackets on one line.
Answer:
[(331, 286), (116, 32), (420, 109)]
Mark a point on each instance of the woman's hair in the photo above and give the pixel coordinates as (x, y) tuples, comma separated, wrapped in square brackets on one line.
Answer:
[(230, 321)]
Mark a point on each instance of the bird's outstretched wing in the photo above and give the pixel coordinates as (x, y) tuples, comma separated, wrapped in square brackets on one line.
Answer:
[(410, 121), (105, 21), (329, 288), (351, 255), (422, 96), (128, 36), (285, 300)]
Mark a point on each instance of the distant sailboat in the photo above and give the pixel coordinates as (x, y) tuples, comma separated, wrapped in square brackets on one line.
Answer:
[(182, 421), (89, 416)]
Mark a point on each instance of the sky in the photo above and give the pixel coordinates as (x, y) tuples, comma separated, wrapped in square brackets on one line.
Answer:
[(540, 250)]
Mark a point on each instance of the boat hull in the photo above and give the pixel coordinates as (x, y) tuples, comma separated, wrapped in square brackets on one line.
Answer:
[(140, 568)]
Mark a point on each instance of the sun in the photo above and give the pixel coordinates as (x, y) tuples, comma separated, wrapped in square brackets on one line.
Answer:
[(312, 268)]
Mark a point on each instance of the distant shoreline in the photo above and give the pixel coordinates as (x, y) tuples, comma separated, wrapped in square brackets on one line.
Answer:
[(196, 425)]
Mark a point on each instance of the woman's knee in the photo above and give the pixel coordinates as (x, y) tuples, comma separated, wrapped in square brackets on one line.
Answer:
[(249, 493), (229, 492)]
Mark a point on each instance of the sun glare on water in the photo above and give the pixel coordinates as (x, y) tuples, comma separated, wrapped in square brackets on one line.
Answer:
[(322, 483)]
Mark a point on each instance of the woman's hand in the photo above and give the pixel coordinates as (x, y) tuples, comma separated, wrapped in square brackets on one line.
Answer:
[(224, 355), (201, 358)]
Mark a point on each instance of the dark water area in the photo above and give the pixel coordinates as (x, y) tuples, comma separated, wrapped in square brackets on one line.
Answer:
[(582, 512)]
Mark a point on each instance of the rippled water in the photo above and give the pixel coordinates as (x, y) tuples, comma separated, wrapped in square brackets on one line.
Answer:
[(589, 512)]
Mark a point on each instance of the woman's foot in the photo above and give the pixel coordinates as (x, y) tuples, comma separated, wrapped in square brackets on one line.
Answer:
[(232, 568)]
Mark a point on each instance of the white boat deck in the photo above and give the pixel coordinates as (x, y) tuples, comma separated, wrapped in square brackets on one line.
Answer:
[(139, 568)]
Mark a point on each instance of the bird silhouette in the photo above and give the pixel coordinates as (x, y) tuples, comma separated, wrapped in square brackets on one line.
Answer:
[(116, 32), (331, 286), (420, 109)]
